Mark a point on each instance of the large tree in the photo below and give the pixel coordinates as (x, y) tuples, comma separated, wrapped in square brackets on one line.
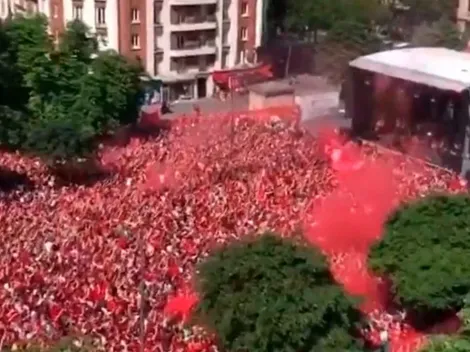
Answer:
[(424, 252), (311, 16), (345, 41), (62, 96), (272, 295), (419, 11), (441, 33)]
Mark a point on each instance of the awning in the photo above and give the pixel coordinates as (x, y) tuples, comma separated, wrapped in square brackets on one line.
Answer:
[(435, 67), (242, 77)]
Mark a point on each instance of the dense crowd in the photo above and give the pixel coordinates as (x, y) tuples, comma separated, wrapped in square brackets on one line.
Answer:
[(78, 260)]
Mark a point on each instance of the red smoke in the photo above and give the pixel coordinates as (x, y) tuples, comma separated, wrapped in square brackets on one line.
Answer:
[(348, 221)]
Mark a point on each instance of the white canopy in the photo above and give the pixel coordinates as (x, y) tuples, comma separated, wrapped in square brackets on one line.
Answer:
[(436, 67)]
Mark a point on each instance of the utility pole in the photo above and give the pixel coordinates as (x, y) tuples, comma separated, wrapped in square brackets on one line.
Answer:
[(289, 54)]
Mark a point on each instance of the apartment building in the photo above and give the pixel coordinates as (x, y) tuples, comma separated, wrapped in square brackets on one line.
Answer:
[(12, 7), (180, 42), (194, 38)]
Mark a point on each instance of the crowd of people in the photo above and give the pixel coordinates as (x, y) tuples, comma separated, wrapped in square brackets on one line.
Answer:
[(114, 261)]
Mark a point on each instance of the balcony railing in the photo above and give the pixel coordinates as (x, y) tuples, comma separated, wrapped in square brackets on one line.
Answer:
[(185, 69), (194, 50), (194, 19), (195, 44)]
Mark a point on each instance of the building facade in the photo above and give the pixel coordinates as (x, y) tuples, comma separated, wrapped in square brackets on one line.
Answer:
[(193, 38), (180, 42), (12, 7), (463, 14)]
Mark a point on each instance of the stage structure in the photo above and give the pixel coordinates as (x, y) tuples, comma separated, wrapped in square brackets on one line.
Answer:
[(414, 93)]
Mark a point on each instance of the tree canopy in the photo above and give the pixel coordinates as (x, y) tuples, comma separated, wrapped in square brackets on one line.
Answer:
[(441, 33), (420, 11), (323, 14), (425, 251), (345, 41), (60, 97), (269, 294)]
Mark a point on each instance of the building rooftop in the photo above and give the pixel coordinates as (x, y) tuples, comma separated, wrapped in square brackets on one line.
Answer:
[(436, 67), (272, 88)]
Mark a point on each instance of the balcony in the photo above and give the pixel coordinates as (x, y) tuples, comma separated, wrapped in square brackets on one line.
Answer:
[(194, 23), (463, 14), (191, 71), (192, 2), (158, 28), (195, 49)]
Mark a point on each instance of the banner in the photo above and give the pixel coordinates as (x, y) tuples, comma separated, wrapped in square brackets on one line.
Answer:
[(239, 78)]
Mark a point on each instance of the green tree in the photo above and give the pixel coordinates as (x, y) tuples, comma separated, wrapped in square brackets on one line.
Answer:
[(60, 138), (111, 91), (23, 44), (419, 11), (425, 251), (11, 127), (345, 41), (272, 295), (58, 98), (441, 33), (77, 41), (311, 16)]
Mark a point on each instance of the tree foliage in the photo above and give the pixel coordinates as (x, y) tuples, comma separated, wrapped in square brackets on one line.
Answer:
[(425, 253), (441, 33), (420, 11), (59, 98), (271, 295), (344, 42), (324, 14)]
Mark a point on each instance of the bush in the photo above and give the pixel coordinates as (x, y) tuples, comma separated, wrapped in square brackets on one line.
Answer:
[(272, 295), (425, 253)]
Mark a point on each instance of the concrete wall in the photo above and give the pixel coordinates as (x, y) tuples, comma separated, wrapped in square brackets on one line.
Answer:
[(258, 101), (317, 104)]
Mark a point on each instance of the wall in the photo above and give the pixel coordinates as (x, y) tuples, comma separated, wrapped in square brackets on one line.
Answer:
[(150, 38), (89, 18), (248, 21), (258, 101), (56, 17), (127, 29), (317, 105)]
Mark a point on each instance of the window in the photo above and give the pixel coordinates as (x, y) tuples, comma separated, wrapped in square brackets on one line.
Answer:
[(242, 57), (77, 12), (244, 9), (55, 11), (135, 41), (156, 14), (100, 15), (180, 42), (156, 63), (135, 15), (244, 33), (224, 60)]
